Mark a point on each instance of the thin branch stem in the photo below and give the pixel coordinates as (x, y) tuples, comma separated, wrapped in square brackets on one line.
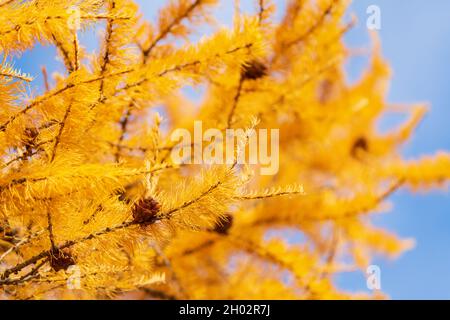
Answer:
[(169, 28), (62, 124), (6, 3), (50, 230), (20, 244), (235, 102), (123, 130)]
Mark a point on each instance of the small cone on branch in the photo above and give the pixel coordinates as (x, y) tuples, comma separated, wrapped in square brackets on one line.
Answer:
[(60, 260), (145, 211), (360, 145), (254, 70), (30, 138), (31, 133), (224, 225)]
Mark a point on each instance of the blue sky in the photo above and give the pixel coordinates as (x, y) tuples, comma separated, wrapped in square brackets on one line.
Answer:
[(415, 37)]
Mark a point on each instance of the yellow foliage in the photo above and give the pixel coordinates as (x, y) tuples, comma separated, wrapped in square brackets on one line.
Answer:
[(87, 179)]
